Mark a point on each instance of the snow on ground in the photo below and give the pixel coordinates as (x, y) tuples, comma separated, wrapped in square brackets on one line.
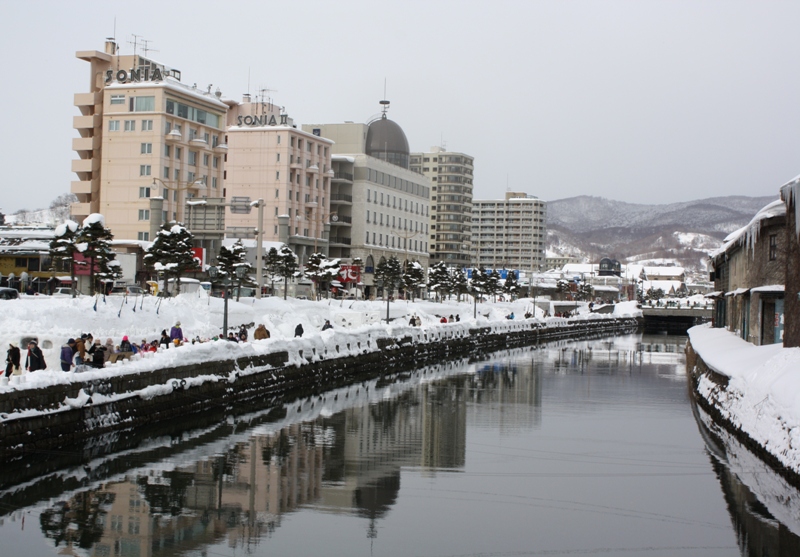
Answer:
[(763, 393), (53, 320)]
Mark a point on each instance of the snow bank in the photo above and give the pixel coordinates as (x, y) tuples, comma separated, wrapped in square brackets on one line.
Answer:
[(763, 394)]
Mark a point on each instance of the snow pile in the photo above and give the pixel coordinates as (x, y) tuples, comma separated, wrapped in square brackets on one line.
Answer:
[(357, 327), (763, 394)]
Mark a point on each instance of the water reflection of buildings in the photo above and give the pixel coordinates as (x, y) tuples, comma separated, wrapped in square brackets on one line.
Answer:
[(507, 394), (349, 462)]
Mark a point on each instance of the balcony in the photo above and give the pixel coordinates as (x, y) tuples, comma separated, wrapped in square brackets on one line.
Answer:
[(82, 166), (342, 197), (86, 122), (83, 187), (342, 177), (340, 240), (85, 145)]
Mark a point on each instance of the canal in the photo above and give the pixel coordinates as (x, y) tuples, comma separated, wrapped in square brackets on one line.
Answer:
[(569, 448)]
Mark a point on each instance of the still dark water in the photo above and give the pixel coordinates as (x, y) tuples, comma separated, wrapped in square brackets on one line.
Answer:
[(574, 448)]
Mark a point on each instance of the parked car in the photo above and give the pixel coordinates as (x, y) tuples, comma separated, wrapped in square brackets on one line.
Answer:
[(64, 292), (9, 294), (127, 290)]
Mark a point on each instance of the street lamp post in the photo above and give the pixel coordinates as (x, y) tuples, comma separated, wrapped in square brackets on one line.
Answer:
[(213, 273)]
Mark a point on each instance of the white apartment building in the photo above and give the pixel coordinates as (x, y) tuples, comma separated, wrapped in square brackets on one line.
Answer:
[(381, 207), (450, 174), (509, 233)]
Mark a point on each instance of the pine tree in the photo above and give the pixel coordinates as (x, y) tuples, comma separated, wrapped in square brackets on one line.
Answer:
[(511, 286), (321, 270), (63, 248), (287, 267), (459, 283), (493, 283), (272, 266), (230, 259), (390, 273), (439, 279), (94, 241), (171, 253), (413, 277)]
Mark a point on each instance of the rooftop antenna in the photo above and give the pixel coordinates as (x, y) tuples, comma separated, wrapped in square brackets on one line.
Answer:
[(384, 103), (263, 94), (134, 42), (248, 81), (147, 49)]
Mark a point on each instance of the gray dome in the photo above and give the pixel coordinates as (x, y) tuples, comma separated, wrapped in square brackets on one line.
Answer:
[(386, 141)]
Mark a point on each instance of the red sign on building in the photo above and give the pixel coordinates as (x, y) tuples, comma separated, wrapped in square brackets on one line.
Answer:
[(349, 273)]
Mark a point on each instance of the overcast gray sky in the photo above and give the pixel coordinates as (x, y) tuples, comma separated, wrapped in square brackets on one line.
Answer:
[(641, 101)]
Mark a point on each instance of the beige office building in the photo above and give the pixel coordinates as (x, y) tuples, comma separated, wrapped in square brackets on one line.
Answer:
[(450, 174), (144, 136), (290, 169), (509, 233)]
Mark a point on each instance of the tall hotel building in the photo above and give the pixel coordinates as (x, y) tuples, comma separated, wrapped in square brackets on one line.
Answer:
[(509, 233), (379, 207), (451, 203), (144, 135)]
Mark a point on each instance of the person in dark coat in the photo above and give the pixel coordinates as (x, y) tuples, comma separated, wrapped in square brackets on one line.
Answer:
[(35, 359), (232, 337), (12, 359), (298, 331), (98, 352), (327, 325), (165, 340), (67, 353), (243, 334)]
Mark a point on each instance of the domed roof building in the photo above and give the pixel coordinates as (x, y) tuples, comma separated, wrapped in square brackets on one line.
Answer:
[(387, 141)]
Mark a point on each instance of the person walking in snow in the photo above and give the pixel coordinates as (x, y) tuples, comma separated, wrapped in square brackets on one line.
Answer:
[(67, 353), (298, 331), (35, 359), (176, 332), (261, 332), (327, 325), (12, 359)]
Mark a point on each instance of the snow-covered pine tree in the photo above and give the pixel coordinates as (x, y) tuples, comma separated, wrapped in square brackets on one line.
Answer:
[(271, 267), (94, 242), (287, 267), (439, 279), (231, 258), (321, 270), (511, 286), (390, 273), (63, 248), (459, 284), (171, 253), (413, 277)]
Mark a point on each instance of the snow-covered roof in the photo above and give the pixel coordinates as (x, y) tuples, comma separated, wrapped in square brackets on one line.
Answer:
[(790, 194), (748, 234), (768, 288)]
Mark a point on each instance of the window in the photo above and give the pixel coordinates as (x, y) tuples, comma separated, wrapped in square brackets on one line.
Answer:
[(177, 174), (167, 150), (277, 174), (130, 125), (147, 125), (279, 140), (113, 125), (165, 195), (166, 173), (144, 214), (206, 158), (214, 140), (190, 177), (279, 158), (144, 192), (214, 183), (144, 236), (193, 158), (277, 193), (144, 170), (773, 247), (117, 99), (178, 153), (146, 149), (216, 162), (142, 104)]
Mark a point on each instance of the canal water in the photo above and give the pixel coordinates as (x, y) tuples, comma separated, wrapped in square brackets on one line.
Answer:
[(569, 448)]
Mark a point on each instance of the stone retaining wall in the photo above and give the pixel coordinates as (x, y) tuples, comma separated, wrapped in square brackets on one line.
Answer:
[(697, 369), (241, 382)]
